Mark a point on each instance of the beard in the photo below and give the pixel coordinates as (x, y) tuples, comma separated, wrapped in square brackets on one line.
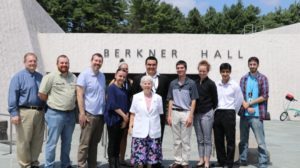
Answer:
[(63, 69)]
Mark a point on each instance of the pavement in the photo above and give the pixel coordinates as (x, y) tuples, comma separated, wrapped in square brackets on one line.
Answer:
[(282, 138)]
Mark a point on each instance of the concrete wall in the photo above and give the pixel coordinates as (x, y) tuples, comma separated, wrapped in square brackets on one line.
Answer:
[(278, 55), (20, 21)]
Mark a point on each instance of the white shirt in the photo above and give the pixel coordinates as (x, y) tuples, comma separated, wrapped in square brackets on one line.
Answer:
[(146, 122), (155, 81), (230, 95)]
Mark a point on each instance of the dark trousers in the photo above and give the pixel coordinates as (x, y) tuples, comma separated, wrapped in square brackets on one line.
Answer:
[(162, 124), (114, 139), (224, 127)]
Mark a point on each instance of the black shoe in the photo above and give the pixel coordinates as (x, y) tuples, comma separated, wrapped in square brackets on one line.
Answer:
[(217, 164), (35, 167), (241, 163)]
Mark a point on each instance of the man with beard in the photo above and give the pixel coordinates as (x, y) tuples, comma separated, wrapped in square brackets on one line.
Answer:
[(91, 102), (58, 89), (255, 88), (26, 111)]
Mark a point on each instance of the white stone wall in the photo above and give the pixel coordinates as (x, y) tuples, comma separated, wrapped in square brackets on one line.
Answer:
[(20, 21), (278, 54)]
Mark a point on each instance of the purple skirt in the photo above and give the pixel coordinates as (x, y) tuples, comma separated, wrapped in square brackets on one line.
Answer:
[(145, 151)]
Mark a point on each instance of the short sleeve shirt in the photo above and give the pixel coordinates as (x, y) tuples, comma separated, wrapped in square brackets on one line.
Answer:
[(60, 90), (94, 91), (182, 95)]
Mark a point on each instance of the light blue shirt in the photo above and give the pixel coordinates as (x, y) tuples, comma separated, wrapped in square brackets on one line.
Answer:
[(23, 91), (252, 87), (94, 91)]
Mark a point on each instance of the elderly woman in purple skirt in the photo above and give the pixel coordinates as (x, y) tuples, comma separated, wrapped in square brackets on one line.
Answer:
[(145, 126)]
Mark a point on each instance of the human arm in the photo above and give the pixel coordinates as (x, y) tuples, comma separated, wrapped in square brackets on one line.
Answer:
[(80, 100), (170, 112), (13, 101), (189, 120), (132, 116)]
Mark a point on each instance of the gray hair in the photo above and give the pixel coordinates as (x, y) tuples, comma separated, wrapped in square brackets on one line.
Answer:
[(145, 79)]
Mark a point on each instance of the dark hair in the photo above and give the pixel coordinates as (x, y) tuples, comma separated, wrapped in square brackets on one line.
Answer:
[(255, 59), (181, 62), (225, 66), (61, 56), (204, 63), (151, 58), (98, 55)]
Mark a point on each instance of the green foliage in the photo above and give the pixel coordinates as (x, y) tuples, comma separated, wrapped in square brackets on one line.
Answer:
[(153, 16)]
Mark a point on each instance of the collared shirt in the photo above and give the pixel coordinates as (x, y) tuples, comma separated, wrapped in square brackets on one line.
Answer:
[(23, 91), (155, 81), (229, 95), (208, 96), (263, 89), (94, 91), (60, 90), (182, 95)]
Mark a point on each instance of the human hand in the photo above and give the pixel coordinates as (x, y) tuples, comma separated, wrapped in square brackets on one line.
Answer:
[(250, 110), (189, 121), (83, 120), (246, 105), (16, 120)]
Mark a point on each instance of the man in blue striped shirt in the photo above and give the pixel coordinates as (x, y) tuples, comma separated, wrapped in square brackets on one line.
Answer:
[(26, 110)]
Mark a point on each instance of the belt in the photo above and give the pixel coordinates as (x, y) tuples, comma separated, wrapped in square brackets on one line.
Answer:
[(32, 107), (62, 110), (178, 109)]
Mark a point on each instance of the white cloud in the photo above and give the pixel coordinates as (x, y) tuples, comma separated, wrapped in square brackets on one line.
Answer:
[(271, 2), (184, 5)]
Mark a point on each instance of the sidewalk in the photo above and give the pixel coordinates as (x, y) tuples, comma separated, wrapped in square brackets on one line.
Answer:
[(283, 143)]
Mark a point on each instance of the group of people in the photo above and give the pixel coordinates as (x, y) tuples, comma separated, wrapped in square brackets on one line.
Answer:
[(141, 107)]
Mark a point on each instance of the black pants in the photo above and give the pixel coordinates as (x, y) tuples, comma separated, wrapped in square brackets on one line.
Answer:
[(224, 127), (162, 125), (114, 139)]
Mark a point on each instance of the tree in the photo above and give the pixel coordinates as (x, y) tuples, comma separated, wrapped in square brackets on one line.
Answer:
[(142, 16), (169, 19), (195, 23)]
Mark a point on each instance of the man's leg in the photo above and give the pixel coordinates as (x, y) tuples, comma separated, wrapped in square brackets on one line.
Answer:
[(85, 137), (55, 123), (257, 127), (186, 133), (24, 136), (244, 138), (229, 125), (176, 130), (219, 137), (66, 138), (96, 137), (37, 137)]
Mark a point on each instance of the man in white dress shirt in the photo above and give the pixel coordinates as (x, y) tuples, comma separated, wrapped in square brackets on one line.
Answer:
[(230, 99)]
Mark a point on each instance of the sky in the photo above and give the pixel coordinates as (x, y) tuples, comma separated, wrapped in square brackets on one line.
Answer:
[(266, 6)]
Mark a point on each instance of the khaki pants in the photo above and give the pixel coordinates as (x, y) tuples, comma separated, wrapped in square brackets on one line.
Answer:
[(89, 138), (181, 137), (30, 134)]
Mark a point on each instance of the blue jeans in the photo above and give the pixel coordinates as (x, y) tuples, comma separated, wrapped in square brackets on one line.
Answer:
[(59, 124), (257, 127)]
